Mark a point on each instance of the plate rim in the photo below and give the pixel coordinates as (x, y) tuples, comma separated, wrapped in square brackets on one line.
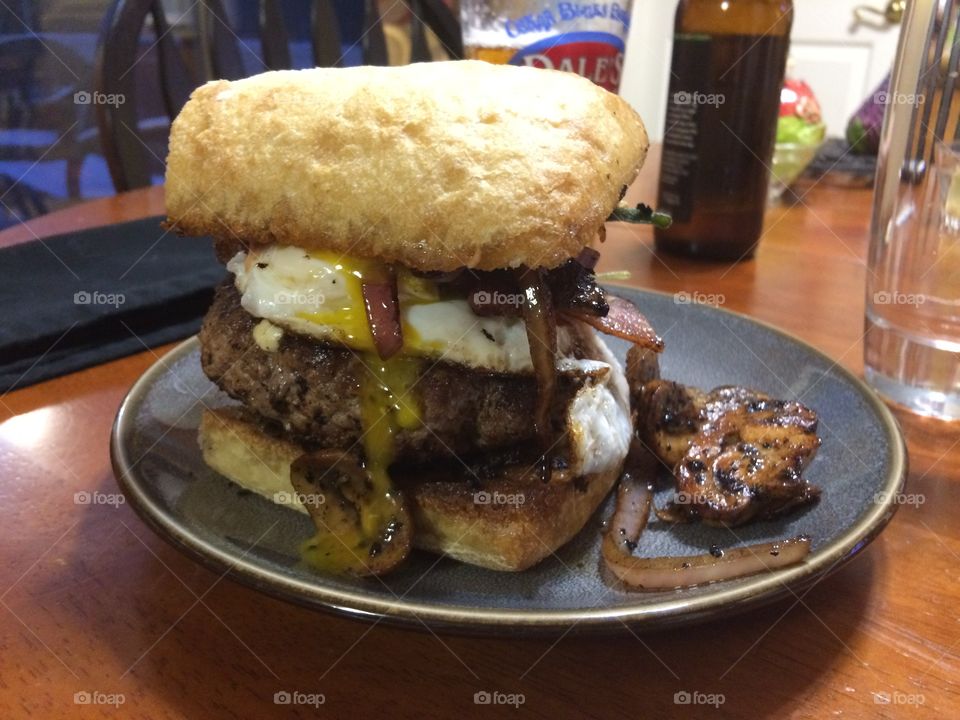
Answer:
[(758, 589)]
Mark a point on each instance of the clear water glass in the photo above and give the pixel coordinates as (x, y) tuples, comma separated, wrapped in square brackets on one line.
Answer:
[(912, 341)]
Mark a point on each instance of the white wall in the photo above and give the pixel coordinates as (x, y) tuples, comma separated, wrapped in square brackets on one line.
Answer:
[(646, 73), (843, 60)]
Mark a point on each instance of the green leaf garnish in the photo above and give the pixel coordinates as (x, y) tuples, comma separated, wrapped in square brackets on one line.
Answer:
[(641, 215)]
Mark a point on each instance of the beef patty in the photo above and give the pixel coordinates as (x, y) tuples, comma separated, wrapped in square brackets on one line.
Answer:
[(311, 389)]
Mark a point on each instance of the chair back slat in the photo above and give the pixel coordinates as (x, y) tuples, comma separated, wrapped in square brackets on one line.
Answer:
[(419, 50), (325, 34), (222, 53), (273, 36), (439, 18), (118, 53), (174, 75), (372, 41)]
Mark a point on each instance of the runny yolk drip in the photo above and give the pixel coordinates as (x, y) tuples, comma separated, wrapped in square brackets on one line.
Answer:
[(387, 404), (335, 551)]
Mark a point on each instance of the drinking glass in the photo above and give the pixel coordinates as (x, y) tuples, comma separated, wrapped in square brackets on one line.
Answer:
[(582, 37), (912, 341)]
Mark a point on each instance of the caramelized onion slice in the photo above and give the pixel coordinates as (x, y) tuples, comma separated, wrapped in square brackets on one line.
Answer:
[(438, 276), (574, 288), (629, 519), (624, 321), (666, 573), (588, 258), (541, 323), (383, 316)]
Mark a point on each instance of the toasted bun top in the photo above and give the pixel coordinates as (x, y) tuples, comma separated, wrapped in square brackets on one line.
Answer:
[(434, 166)]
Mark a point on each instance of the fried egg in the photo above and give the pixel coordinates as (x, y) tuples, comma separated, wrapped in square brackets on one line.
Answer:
[(319, 294)]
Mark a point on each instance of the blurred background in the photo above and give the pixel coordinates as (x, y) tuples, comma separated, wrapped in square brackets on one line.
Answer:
[(51, 152), (51, 147), (842, 48)]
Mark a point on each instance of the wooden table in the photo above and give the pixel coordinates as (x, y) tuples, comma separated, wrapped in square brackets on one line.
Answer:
[(93, 601)]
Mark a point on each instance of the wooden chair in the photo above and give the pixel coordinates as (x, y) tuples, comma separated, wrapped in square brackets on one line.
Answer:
[(224, 53), (127, 142)]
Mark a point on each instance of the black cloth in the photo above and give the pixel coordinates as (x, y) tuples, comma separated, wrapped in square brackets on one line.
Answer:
[(86, 297)]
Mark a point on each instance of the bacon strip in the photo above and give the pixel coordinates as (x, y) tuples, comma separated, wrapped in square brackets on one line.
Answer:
[(624, 321)]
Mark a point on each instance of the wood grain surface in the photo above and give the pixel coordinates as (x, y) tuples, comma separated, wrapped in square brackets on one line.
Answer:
[(93, 602)]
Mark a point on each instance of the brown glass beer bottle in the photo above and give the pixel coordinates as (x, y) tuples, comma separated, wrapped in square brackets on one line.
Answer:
[(729, 58)]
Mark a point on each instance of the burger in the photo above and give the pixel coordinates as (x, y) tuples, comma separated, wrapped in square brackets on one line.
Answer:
[(412, 329)]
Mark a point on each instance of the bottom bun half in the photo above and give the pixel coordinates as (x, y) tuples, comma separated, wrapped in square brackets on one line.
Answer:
[(510, 523)]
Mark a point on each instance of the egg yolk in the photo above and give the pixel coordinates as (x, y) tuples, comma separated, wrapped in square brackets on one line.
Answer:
[(349, 319), (388, 404)]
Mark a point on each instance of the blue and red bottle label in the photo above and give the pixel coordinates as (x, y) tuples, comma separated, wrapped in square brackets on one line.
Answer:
[(597, 56)]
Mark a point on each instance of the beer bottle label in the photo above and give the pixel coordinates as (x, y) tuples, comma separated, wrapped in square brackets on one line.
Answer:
[(690, 77), (722, 111), (596, 56)]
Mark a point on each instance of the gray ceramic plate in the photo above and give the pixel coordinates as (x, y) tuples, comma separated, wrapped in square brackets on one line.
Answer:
[(860, 468)]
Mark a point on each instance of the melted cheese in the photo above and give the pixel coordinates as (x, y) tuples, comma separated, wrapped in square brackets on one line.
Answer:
[(267, 336)]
